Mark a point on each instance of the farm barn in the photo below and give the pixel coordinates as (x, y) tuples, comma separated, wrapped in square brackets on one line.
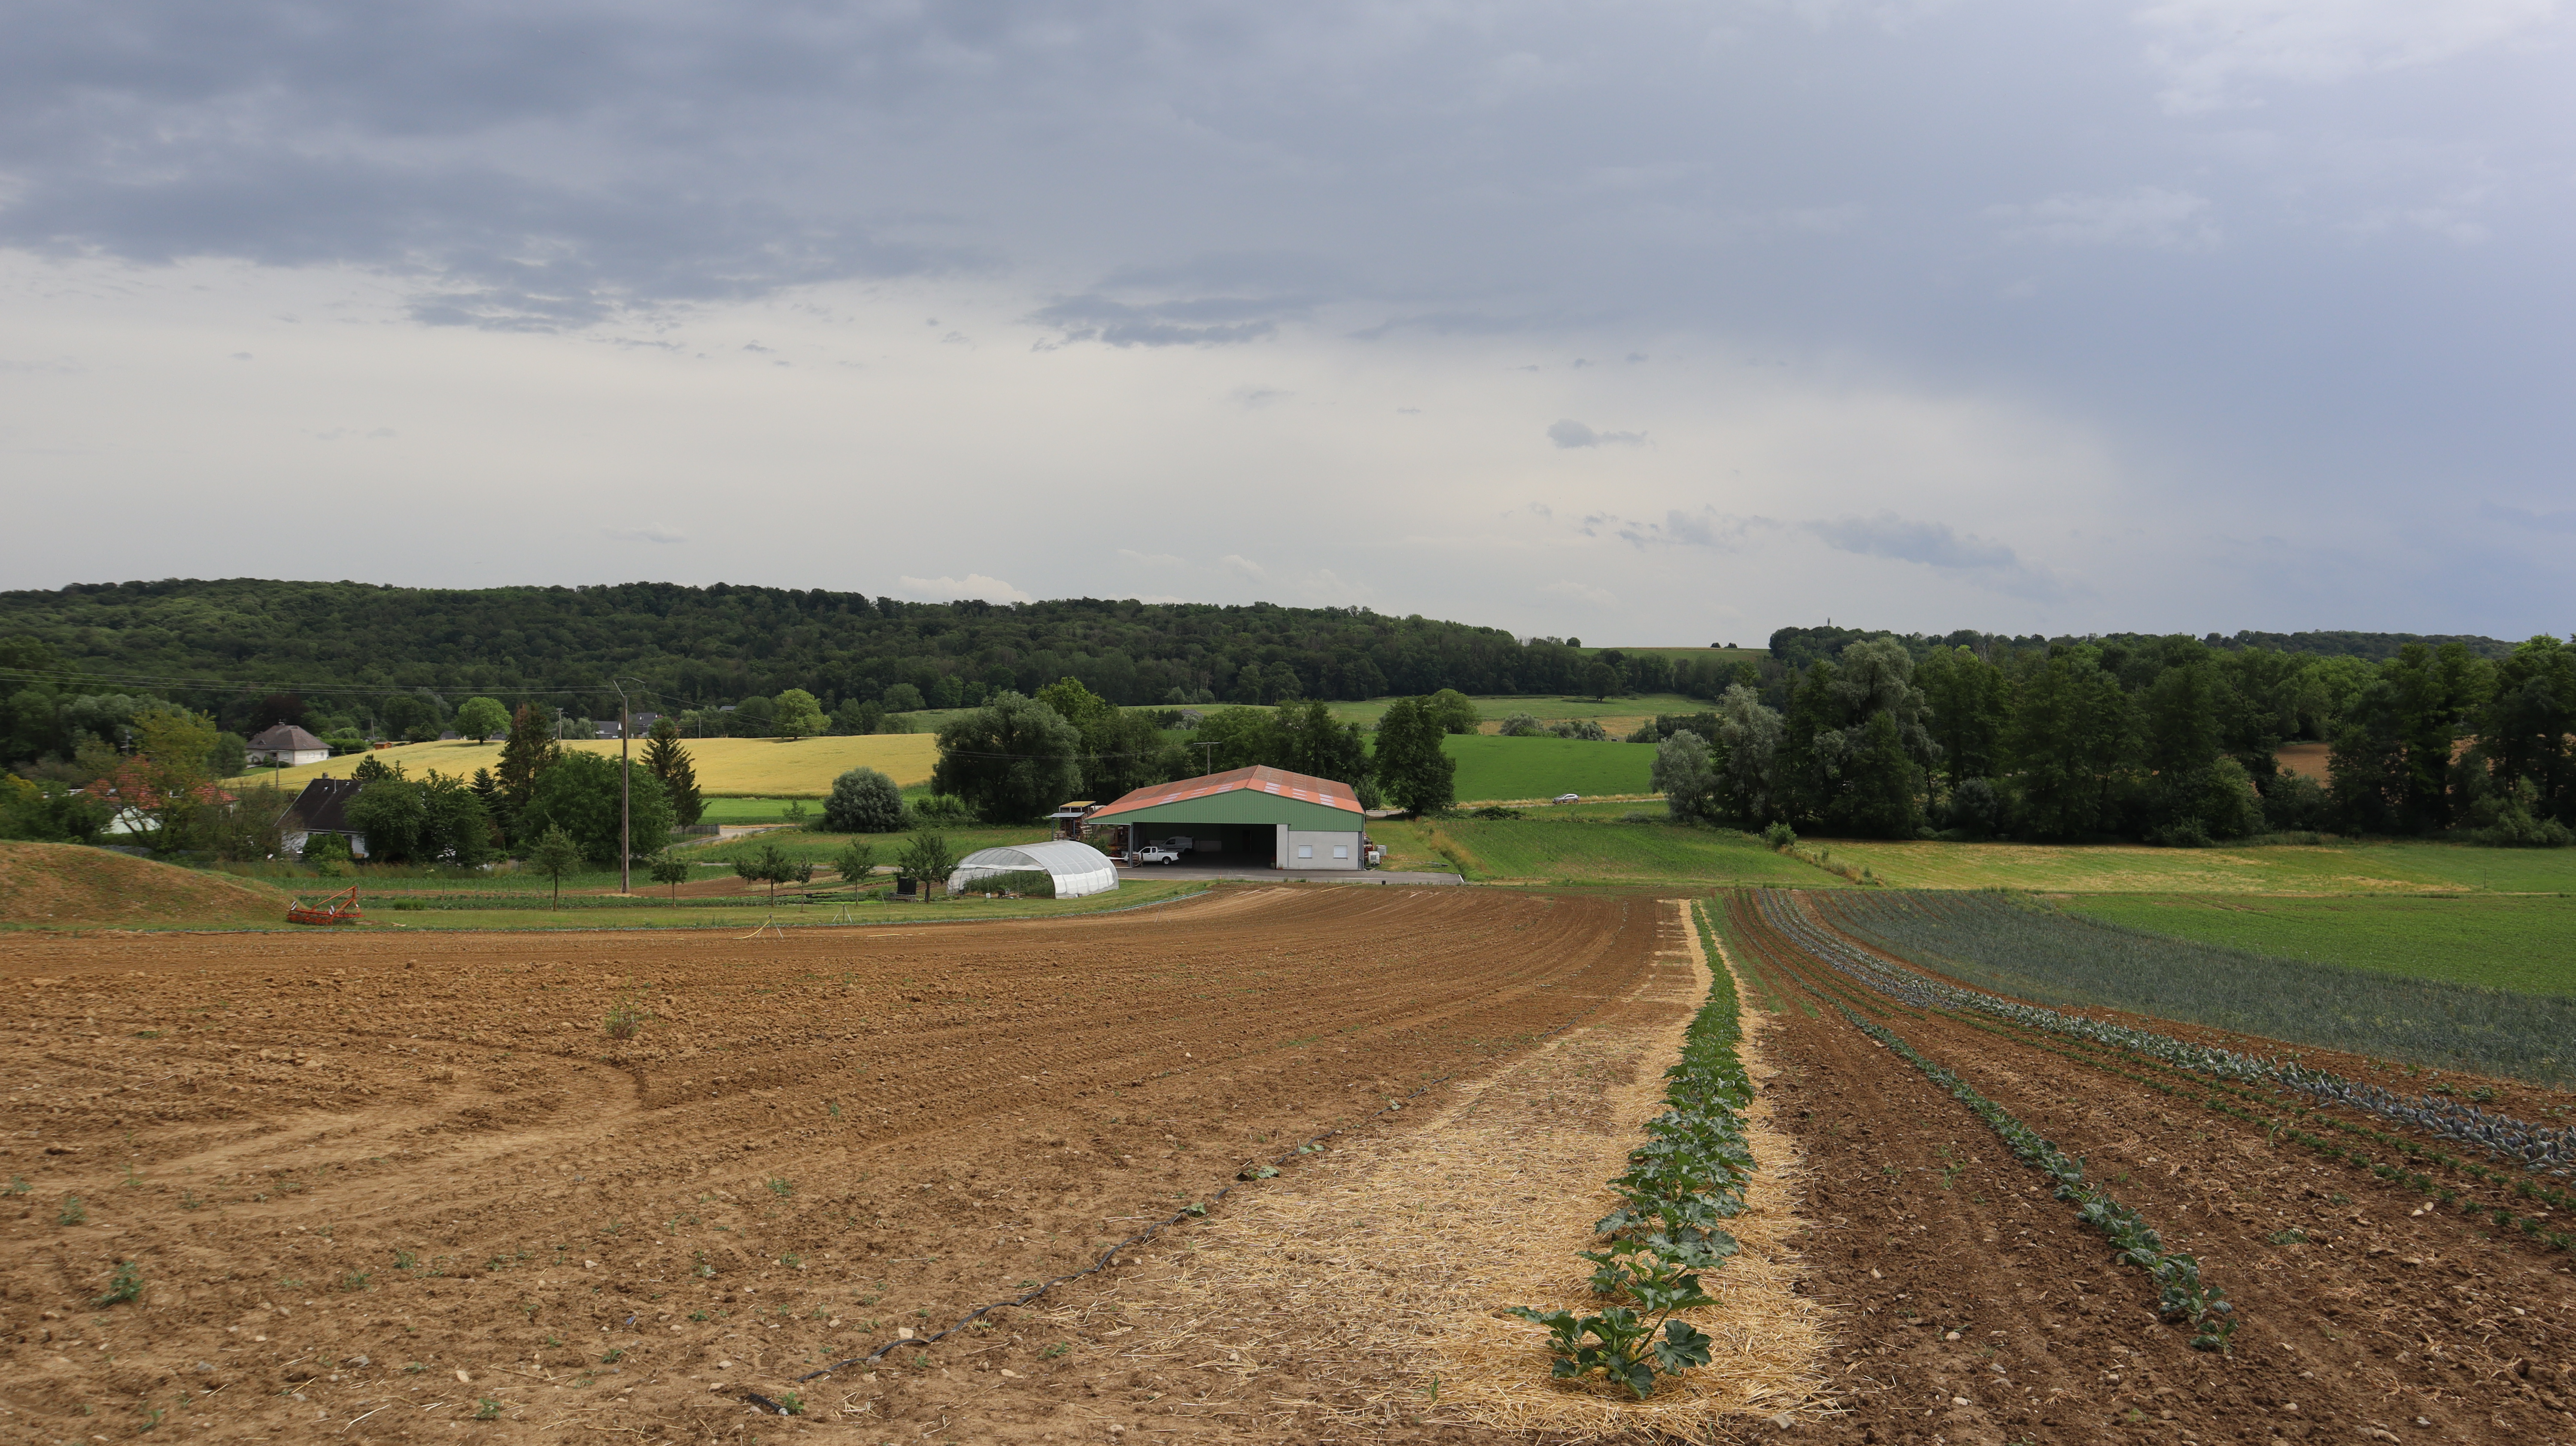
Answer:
[(1249, 817)]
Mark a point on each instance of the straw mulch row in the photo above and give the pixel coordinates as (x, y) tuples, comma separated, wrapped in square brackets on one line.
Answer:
[(1366, 1303)]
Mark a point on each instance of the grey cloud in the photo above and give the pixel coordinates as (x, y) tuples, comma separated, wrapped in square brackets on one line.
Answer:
[(1569, 433), (1202, 321), (2560, 521), (1931, 543), (1937, 545)]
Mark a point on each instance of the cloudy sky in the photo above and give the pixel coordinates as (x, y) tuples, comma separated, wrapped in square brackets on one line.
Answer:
[(1645, 322)]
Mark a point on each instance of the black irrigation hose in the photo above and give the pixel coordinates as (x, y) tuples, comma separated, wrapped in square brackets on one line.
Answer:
[(1194, 1210)]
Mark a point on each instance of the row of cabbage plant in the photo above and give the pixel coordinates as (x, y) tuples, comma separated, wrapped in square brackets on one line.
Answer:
[(2181, 1294), (2544, 1149), (1690, 1175)]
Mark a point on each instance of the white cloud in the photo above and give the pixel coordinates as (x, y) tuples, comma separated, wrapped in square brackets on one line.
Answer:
[(2211, 51), (654, 533), (2141, 216), (1244, 567), (1567, 433), (1582, 593), (972, 585), (1149, 559)]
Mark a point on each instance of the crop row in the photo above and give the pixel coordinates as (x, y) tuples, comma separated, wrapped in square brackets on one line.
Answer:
[(1689, 1175), (2538, 1148), (2285, 1126), (2181, 1295)]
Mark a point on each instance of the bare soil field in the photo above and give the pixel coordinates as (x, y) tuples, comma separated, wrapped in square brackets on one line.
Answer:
[(380, 1187), (1974, 1308)]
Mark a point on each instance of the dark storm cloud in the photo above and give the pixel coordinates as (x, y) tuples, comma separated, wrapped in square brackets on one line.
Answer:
[(2287, 252)]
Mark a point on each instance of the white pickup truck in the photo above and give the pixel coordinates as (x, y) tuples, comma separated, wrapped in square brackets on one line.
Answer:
[(1153, 854)]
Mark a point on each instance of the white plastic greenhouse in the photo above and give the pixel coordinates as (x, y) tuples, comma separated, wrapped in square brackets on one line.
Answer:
[(1077, 868)]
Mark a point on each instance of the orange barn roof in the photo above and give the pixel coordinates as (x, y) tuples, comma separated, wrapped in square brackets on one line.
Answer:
[(1259, 778)]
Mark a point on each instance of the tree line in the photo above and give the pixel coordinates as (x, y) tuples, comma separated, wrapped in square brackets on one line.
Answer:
[(2169, 740)]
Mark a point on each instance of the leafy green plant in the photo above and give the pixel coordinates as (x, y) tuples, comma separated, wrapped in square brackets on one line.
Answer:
[(74, 1211), (125, 1285), (1689, 1176), (781, 1188), (487, 1409)]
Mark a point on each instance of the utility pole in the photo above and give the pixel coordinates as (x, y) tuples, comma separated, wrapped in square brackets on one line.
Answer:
[(625, 794)]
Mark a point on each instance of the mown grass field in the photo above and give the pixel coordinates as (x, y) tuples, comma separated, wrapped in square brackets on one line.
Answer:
[(748, 767), (1492, 768), (2119, 868), (2504, 941), (1563, 850), (1619, 716)]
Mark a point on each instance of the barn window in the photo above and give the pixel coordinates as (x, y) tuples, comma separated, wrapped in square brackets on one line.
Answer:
[(1305, 851), (1341, 851)]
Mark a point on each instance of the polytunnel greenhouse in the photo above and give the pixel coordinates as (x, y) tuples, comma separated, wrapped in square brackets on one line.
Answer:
[(1076, 868)]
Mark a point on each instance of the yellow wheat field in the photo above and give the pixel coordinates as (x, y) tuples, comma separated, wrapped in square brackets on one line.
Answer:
[(741, 767)]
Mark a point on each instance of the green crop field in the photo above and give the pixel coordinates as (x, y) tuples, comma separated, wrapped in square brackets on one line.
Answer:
[(2503, 941), (2052, 957), (1555, 849), (2124, 868), (1527, 768)]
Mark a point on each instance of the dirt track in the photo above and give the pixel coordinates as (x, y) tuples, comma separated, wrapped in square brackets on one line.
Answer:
[(364, 1175), (1975, 1308)]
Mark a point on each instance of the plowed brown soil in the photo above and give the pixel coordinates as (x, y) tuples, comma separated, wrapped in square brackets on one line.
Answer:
[(1976, 1309), (376, 1187)]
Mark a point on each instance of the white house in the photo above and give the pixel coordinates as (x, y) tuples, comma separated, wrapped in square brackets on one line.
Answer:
[(287, 745)]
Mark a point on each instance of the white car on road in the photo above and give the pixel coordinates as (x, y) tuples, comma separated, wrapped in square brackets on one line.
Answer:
[(1567, 798)]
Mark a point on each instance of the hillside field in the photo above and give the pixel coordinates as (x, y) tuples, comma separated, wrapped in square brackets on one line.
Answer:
[(1619, 716), (748, 767), (2502, 941), (2341, 868), (1503, 769), (44, 885)]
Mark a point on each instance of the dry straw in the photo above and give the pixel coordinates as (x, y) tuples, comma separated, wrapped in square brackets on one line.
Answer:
[(1405, 1254)]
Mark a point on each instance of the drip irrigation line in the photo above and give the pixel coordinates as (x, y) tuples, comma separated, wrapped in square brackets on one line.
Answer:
[(1196, 1209)]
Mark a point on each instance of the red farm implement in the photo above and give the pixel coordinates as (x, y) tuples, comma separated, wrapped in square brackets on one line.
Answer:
[(340, 908)]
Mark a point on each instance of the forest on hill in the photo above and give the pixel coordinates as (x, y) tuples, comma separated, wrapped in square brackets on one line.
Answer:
[(2173, 739)]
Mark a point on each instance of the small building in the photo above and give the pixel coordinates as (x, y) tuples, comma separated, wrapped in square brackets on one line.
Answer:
[(284, 746), (323, 807), (1258, 816), (1076, 868)]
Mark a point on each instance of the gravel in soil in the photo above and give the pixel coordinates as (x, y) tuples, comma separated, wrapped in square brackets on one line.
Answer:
[(1976, 1309), (372, 1184)]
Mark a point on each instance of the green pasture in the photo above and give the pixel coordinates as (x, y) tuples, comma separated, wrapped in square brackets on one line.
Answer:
[(2504, 941), (2338, 868), (1575, 850), (1551, 708), (1492, 767), (752, 810), (1722, 655)]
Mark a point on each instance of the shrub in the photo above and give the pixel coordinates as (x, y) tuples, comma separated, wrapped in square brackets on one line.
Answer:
[(1522, 725), (1780, 836), (863, 801), (1582, 730), (940, 810)]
